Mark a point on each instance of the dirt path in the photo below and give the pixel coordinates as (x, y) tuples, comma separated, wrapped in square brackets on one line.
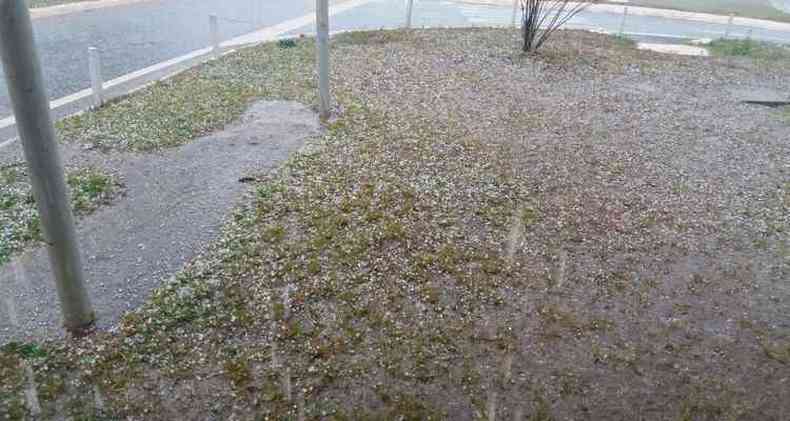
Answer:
[(175, 204)]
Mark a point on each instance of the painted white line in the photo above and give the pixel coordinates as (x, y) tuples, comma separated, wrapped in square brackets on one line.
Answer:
[(267, 34), (8, 142), (271, 33)]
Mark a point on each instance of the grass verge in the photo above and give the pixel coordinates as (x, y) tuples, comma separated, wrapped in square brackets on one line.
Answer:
[(196, 102), (89, 187), (46, 3), (761, 9), (462, 243)]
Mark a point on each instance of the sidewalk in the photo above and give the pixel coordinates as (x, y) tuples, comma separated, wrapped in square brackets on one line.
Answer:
[(176, 202)]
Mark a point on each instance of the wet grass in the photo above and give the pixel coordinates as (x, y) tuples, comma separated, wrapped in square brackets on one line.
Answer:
[(756, 50), (415, 264), (194, 103), (90, 188)]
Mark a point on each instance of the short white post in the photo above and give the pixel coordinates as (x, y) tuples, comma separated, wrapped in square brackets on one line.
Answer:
[(409, 12), (729, 26), (213, 23), (322, 44), (516, 6), (622, 23), (97, 83)]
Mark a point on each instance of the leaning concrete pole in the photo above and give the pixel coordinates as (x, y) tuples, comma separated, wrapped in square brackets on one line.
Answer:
[(34, 124), (322, 44)]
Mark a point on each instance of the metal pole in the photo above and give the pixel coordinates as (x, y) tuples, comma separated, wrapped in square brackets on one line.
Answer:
[(515, 12), (409, 12), (322, 40), (729, 26), (34, 124), (213, 24), (97, 83), (622, 23)]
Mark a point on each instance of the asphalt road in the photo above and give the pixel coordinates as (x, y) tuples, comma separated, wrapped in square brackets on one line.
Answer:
[(138, 35)]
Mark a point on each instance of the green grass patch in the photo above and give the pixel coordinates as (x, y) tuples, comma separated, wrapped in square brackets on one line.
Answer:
[(761, 9), (762, 51), (46, 3), (623, 41), (371, 37), (90, 188)]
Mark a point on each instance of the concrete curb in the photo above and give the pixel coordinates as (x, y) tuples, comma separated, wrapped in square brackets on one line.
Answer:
[(83, 6), (662, 13)]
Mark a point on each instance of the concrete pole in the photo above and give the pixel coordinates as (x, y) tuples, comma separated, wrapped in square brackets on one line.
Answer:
[(34, 123), (409, 13), (622, 22), (97, 83), (322, 43), (729, 26), (213, 24), (515, 12)]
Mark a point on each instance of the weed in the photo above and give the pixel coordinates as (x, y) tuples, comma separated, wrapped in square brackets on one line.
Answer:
[(622, 41), (749, 48), (371, 37), (24, 350)]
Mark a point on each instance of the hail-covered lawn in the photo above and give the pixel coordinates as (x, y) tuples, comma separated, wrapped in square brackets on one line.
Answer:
[(19, 221), (194, 103), (46, 3), (595, 232)]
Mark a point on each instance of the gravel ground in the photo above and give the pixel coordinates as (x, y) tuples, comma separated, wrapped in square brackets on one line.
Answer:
[(595, 232)]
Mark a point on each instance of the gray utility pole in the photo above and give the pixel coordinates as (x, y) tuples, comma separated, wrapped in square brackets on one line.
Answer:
[(409, 13), (322, 43), (34, 124)]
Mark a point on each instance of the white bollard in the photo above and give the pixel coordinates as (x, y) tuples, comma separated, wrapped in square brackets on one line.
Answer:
[(728, 29), (515, 12), (97, 83), (622, 23), (409, 12), (322, 44), (213, 23)]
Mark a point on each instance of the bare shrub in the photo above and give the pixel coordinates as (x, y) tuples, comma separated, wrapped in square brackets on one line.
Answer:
[(541, 18)]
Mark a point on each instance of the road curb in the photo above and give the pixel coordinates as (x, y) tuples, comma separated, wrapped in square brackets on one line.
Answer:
[(663, 13), (83, 6)]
